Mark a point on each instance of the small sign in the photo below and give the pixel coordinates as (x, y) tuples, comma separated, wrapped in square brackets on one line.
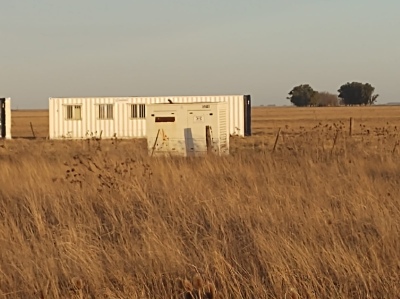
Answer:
[(198, 119), (206, 106)]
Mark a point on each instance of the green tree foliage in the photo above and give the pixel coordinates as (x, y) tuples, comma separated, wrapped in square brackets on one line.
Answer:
[(302, 96), (356, 93)]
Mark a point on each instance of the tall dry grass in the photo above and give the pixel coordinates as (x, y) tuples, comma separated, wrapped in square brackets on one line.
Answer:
[(103, 220)]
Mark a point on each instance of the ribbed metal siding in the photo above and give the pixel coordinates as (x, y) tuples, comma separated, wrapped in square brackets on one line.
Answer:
[(8, 118), (223, 134), (123, 125), (236, 107)]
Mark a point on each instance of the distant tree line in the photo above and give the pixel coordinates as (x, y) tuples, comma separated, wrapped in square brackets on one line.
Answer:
[(349, 94)]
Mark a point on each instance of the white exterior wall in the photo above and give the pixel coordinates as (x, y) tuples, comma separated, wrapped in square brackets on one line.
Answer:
[(186, 134), (236, 107), (123, 125), (8, 118)]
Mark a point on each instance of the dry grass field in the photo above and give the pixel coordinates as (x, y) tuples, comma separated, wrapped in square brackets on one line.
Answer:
[(318, 217)]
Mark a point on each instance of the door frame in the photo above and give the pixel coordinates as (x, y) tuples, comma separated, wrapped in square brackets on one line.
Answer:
[(3, 131), (247, 115)]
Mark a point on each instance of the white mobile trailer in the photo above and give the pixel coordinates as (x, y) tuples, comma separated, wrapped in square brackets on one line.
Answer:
[(125, 117), (187, 129), (5, 118)]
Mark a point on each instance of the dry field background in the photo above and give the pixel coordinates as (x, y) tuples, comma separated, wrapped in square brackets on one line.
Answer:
[(316, 218)]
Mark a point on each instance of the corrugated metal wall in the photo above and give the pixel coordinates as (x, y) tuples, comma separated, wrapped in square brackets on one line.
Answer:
[(122, 124), (8, 118)]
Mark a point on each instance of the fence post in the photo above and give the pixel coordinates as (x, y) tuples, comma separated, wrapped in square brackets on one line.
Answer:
[(276, 140), (208, 139), (155, 143), (351, 126), (33, 132)]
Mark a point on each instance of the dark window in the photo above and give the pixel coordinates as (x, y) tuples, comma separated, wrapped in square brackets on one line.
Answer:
[(73, 112), (106, 111), (165, 119), (138, 111)]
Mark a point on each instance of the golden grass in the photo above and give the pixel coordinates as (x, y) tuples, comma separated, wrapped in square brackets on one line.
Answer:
[(314, 219), (21, 123)]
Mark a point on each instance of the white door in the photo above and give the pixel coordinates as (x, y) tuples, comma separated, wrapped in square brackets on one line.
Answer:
[(195, 133)]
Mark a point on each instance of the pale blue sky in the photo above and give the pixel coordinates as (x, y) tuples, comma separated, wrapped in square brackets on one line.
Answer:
[(76, 48)]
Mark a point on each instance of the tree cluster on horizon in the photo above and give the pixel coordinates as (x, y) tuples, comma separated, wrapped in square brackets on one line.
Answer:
[(349, 94)]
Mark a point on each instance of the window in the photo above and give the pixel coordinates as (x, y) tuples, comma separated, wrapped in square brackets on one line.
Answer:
[(73, 112), (165, 119), (105, 111), (138, 111)]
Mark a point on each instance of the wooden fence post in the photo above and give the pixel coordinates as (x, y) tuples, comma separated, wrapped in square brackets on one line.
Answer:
[(276, 139), (351, 126), (33, 132), (155, 143), (208, 139)]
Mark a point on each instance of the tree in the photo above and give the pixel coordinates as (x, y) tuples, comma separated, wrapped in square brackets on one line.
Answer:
[(303, 95), (373, 99), (356, 93), (325, 99)]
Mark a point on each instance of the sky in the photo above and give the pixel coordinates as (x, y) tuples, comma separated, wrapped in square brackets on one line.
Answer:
[(93, 48)]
